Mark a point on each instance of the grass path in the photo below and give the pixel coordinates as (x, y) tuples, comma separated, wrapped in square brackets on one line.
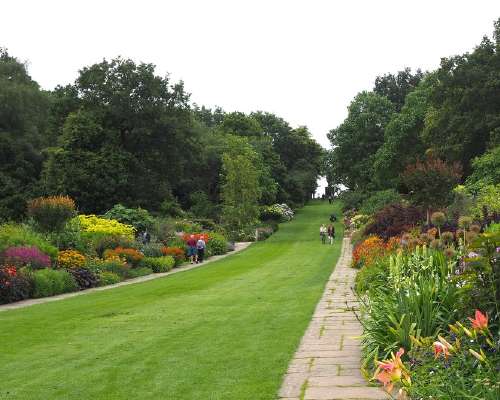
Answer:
[(225, 331)]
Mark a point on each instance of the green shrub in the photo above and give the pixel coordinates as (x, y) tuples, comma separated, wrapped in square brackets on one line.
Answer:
[(70, 237), (49, 282), (51, 213), (152, 249), (379, 200), (187, 226), (489, 197), (163, 229), (111, 242), (372, 276), (139, 218), (217, 245), (158, 264), (108, 278), (116, 267), (13, 235), (141, 271)]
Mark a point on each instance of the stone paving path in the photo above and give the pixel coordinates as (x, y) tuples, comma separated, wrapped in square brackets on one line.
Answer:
[(186, 267), (327, 363)]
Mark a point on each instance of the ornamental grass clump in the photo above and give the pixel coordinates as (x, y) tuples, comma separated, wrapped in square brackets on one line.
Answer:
[(51, 213), (26, 256)]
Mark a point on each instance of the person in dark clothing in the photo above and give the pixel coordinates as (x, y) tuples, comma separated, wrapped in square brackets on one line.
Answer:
[(331, 233), (333, 218)]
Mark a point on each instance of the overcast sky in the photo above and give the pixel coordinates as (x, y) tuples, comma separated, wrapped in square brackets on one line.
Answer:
[(303, 60)]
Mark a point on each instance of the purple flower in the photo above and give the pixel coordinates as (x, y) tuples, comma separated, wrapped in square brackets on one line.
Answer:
[(472, 255), (27, 255)]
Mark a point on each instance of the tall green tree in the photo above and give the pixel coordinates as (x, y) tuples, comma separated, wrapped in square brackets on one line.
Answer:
[(397, 86), (356, 141), (241, 190), (463, 121), (23, 124)]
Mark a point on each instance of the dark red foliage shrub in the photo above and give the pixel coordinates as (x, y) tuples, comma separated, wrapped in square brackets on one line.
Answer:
[(84, 278), (394, 220), (14, 286)]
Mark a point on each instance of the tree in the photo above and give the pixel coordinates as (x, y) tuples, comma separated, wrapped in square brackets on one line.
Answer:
[(23, 116), (430, 182), (131, 132), (240, 190), (397, 87), (356, 141), (485, 170), (463, 121), (402, 136)]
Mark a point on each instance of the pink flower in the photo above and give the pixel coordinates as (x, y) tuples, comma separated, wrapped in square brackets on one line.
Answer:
[(392, 371)]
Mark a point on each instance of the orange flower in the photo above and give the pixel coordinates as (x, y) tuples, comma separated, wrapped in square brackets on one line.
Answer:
[(392, 371), (440, 348), (479, 323)]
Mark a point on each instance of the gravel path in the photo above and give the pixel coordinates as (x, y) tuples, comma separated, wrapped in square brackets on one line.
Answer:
[(327, 363), (185, 267)]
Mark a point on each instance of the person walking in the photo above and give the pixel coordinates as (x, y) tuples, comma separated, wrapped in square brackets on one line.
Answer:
[(331, 233), (322, 233), (200, 248), (191, 243)]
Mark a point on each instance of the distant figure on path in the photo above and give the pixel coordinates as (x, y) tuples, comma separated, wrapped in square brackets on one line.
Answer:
[(146, 237), (200, 248), (331, 233), (330, 199), (191, 243), (333, 218), (322, 233)]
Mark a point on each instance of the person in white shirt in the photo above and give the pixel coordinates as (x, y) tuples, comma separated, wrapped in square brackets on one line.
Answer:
[(322, 233)]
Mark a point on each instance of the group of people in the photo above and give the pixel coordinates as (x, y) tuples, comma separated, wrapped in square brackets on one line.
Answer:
[(196, 249), (327, 233)]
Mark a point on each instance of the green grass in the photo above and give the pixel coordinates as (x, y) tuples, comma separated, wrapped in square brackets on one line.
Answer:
[(224, 331)]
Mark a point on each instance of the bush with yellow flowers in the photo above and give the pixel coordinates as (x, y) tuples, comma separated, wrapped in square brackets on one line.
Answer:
[(94, 224)]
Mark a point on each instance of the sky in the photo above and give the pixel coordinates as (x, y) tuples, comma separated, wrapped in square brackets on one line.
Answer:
[(302, 60)]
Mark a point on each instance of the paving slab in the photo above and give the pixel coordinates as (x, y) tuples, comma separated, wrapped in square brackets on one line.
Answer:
[(327, 363)]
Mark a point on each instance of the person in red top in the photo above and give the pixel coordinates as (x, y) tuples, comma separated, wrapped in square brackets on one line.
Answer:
[(192, 253)]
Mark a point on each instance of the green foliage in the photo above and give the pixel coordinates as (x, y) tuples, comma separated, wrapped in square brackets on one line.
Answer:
[(158, 264), (397, 87), (12, 235), (106, 242), (139, 218), (379, 200), (152, 249), (217, 245), (240, 191), (201, 206), (49, 282), (415, 299), (141, 271), (485, 170), (23, 118), (463, 119), (108, 278), (356, 141), (489, 197)]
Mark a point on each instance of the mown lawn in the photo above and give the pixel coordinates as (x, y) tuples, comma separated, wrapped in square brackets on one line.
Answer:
[(224, 331)]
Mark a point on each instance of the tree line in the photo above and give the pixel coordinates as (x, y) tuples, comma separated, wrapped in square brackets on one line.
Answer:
[(123, 134), (420, 134)]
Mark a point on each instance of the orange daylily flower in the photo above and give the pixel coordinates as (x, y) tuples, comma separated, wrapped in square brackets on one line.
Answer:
[(392, 371), (440, 348), (480, 322)]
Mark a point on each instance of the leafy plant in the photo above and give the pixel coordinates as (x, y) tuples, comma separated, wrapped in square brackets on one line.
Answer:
[(108, 278), (139, 218), (132, 256), (379, 200), (14, 235), (84, 278), (216, 244), (141, 271), (93, 224), (49, 282), (152, 249), (176, 252), (106, 242), (394, 220), (158, 264), (51, 213)]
